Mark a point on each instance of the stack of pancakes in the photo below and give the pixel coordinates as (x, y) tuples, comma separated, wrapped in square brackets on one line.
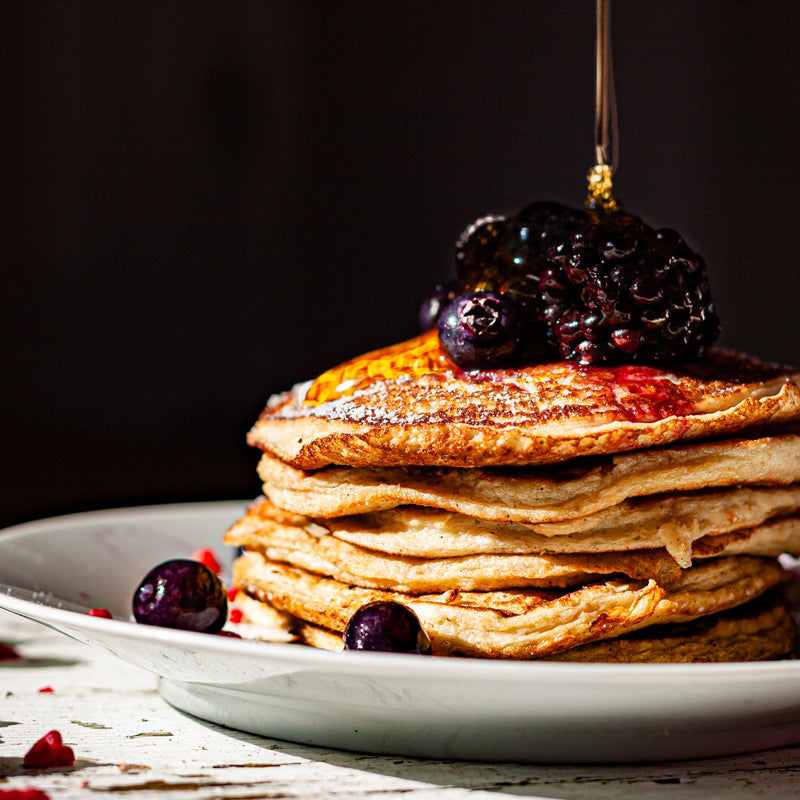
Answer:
[(548, 512)]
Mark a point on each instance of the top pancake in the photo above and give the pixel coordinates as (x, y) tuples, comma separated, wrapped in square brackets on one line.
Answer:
[(407, 405)]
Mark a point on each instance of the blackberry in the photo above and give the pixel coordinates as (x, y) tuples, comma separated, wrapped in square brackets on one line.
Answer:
[(615, 290)]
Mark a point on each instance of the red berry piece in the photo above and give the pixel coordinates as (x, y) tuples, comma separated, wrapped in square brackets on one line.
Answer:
[(207, 556), (7, 652), (46, 690), (23, 794), (99, 612), (49, 751), (232, 592)]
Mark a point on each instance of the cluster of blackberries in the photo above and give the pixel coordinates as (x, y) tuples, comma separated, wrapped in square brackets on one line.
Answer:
[(556, 282)]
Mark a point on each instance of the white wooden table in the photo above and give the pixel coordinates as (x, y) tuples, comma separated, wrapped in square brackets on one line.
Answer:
[(129, 743)]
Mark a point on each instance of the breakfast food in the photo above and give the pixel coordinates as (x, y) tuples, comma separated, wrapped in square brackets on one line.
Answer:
[(561, 467), (408, 405), (181, 593)]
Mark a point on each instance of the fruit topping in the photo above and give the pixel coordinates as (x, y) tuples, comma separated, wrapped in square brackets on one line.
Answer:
[(235, 615), (205, 555), (597, 287), (23, 794), (7, 652), (434, 302), (388, 627), (476, 248), (529, 236), (183, 594), (49, 751), (479, 330), (617, 291), (99, 612)]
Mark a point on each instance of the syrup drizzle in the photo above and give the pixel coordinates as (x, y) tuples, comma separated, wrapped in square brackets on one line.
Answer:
[(420, 356), (605, 131)]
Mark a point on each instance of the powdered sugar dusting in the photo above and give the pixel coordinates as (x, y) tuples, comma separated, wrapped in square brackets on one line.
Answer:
[(504, 397), (352, 408)]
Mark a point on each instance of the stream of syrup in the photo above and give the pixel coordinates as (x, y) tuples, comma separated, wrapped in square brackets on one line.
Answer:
[(601, 195)]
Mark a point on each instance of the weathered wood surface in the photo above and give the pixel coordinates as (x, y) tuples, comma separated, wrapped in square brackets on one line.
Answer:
[(128, 742)]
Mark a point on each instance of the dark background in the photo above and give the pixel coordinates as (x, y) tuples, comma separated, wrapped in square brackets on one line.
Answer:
[(208, 202)]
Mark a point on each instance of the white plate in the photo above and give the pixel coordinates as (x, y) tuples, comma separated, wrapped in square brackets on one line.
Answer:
[(54, 570)]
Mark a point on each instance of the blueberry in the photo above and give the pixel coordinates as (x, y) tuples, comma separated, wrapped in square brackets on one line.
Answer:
[(436, 300), (529, 235), (388, 627), (479, 330), (475, 248), (181, 594)]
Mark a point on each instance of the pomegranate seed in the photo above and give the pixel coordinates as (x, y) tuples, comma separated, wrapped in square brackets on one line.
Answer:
[(235, 615), (46, 690), (49, 751), (23, 794), (207, 556), (232, 592), (7, 652), (99, 612)]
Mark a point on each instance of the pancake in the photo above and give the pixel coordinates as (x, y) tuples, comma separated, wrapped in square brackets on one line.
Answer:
[(428, 534), (755, 631), (329, 556), (407, 405), (520, 623), (781, 535), (673, 521), (631, 513), (540, 494), (290, 539)]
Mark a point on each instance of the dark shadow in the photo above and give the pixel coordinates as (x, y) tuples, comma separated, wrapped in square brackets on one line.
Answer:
[(27, 663), (777, 771), (13, 768)]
